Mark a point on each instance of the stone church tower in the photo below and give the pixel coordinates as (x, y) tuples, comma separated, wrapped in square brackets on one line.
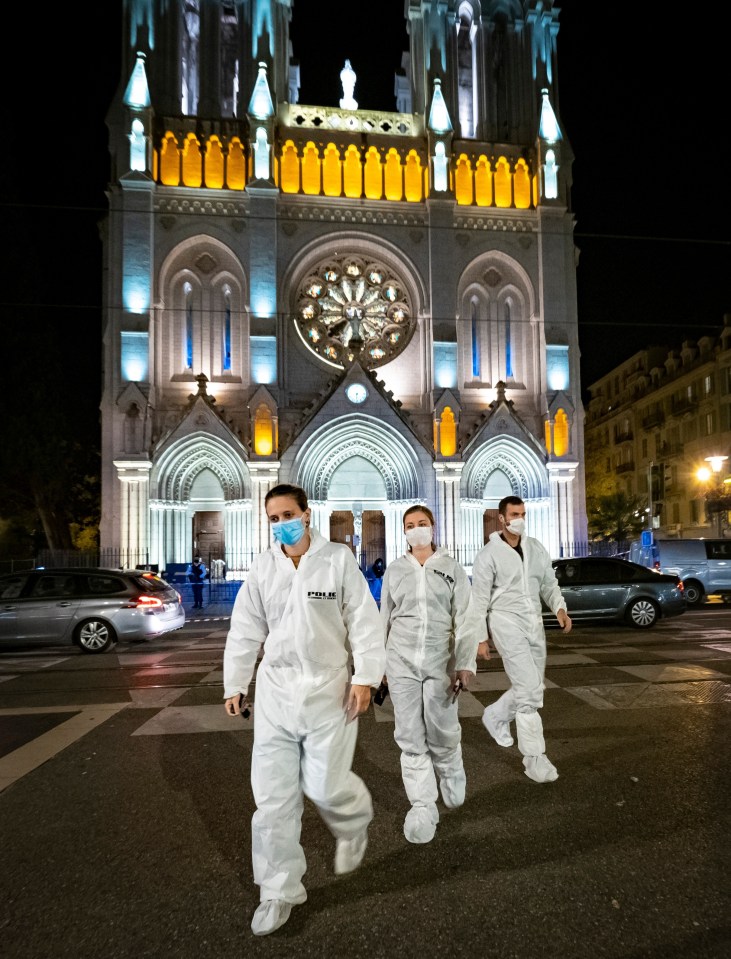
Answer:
[(377, 306)]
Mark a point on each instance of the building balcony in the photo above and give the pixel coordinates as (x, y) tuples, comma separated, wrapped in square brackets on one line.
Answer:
[(656, 418), (684, 406), (671, 449), (624, 468)]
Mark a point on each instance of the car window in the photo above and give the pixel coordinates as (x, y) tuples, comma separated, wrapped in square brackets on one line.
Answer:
[(150, 583), (53, 585), (718, 549), (12, 586), (600, 571), (567, 573), (104, 585)]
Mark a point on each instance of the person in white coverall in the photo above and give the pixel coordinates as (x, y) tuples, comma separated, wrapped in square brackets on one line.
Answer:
[(307, 600), (510, 576), (431, 649)]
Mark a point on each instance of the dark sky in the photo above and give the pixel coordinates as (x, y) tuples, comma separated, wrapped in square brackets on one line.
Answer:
[(638, 102)]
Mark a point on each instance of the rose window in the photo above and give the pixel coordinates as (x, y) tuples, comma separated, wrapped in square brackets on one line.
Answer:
[(350, 308)]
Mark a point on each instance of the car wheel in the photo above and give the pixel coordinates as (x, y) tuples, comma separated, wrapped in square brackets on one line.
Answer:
[(94, 636), (642, 613), (693, 592)]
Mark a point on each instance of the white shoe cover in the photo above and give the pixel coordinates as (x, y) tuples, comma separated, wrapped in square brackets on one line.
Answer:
[(270, 915), (349, 853), (420, 824), (453, 789), (500, 731), (540, 769)]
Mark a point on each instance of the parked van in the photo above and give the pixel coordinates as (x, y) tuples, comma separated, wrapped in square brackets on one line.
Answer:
[(704, 565)]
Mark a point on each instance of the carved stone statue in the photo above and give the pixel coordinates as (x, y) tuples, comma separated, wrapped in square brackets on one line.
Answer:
[(347, 78)]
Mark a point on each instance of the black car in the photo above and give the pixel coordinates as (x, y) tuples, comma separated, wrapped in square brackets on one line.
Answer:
[(610, 588)]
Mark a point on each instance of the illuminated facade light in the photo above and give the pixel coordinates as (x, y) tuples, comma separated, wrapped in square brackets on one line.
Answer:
[(550, 176), (439, 120), (557, 367), (445, 365), (261, 105), (441, 178), (262, 151), (135, 357), (263, 359), (136, 295), (137, 94), (548, 128)]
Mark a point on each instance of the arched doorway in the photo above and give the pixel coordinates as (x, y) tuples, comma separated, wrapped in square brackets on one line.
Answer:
[(360, 466)]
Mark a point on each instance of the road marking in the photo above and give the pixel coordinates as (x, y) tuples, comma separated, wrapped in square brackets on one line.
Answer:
[(195, 719), (640, 695), (664, 673), (29, 757)]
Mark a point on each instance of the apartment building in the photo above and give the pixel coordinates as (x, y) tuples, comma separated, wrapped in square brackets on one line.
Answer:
[(659, 426)]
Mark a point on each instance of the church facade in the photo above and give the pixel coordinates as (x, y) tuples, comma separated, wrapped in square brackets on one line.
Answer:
[(377, 306)]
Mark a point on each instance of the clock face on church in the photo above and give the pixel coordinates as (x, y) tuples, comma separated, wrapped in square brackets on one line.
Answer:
[(350, 308)]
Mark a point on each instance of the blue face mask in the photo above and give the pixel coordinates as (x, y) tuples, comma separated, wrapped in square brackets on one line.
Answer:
[(290, 531)]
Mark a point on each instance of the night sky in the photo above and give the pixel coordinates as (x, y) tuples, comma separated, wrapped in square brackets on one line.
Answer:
[(638, 103)]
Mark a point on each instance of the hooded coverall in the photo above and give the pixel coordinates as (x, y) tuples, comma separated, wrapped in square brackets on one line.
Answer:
[(508, 591), (309, 619), (430, 632)]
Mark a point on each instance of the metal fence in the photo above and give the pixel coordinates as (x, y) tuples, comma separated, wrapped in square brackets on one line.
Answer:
[(234, 567)]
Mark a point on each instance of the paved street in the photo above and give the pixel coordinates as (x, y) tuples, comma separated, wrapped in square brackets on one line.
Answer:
[(125, 809)]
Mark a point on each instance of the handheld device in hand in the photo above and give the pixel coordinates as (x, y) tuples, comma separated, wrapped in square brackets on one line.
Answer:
[(245, 711), (456, 689), (381, 694)]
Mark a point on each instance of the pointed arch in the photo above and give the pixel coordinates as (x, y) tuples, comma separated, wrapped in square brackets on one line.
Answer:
[(366, 437), (506, 302), (177, 467), (523, 468), (201, 324)]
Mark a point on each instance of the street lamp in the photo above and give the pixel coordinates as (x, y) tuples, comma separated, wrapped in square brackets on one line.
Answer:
[(716, 462), (717, 494)]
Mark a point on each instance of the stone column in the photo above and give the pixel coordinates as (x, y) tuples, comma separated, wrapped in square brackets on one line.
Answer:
[(134, 477), (472, 511), (448, 476), (561, 531), (264, 476), (237, 535), (320, 512)]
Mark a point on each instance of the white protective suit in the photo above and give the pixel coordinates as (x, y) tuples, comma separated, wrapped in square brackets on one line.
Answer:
[(508, 591), (310, 619), (430, 632)]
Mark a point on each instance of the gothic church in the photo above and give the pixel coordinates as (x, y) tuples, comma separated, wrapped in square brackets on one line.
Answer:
[(377, 306)]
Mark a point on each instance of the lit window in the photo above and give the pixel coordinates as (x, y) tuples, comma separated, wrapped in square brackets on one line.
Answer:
[(475, 331), (466, 72), (263, 431), (448, 433), (561, 434), (508, 344), (188, 291), (226, 345)]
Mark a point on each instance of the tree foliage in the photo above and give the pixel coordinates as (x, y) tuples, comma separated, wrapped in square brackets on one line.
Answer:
[(49, 457), (616, 517)]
